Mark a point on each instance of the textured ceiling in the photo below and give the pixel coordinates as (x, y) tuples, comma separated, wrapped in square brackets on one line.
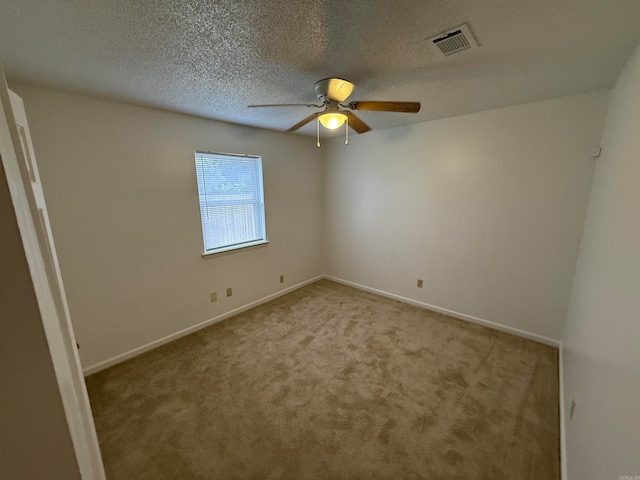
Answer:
[(213, 58)]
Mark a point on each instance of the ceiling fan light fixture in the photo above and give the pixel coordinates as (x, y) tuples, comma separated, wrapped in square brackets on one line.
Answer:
[(332, 120)]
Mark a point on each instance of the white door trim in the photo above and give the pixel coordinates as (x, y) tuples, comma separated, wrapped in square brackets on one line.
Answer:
[(33, 223)]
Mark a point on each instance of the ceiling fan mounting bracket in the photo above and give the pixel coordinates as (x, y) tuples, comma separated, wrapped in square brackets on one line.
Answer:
[(333, 106)]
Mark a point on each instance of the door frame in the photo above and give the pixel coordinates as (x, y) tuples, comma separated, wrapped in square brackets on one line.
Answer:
[(33, 223)]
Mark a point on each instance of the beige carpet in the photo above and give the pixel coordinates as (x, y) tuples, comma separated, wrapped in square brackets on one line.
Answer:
[(329, 382)]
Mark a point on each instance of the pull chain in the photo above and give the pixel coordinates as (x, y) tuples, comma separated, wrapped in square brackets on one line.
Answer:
[(318, 131), (346, 129)]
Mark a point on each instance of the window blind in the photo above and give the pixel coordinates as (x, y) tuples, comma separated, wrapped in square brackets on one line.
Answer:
[(231, 200)]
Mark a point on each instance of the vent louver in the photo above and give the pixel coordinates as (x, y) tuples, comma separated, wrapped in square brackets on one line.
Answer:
[(455, 40)]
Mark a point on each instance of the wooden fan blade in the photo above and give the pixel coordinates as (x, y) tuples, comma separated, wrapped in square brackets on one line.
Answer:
[(285, 105), (404, 107), (302, 123), (358, 125)]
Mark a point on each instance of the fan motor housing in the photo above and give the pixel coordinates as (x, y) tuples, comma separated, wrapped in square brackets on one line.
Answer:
[(335, 89)]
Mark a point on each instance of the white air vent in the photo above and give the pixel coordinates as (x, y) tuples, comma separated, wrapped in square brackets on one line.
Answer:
[(453, 41)]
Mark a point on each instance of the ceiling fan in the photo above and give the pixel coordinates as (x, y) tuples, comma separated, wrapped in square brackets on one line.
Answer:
[(332, 94)]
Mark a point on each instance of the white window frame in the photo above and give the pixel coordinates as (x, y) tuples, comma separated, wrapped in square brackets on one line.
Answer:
[(258, 201)]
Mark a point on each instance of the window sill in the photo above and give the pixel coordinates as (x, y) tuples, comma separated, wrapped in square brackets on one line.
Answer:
[(230, 250)]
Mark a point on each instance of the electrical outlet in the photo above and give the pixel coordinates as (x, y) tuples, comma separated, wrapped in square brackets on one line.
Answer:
[(572, 409), (281, 278), (419, 283), (213, 296), (229, 292)]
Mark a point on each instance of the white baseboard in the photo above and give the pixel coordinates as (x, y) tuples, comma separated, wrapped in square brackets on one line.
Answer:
[(462, 316), (194, 328), (563, 433)]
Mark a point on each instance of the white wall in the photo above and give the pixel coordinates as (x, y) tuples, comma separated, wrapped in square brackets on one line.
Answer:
[(487, 208), (121, 190), (602, 339)]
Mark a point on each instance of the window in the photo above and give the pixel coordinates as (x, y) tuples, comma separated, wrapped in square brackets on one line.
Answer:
[(231, 201)]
